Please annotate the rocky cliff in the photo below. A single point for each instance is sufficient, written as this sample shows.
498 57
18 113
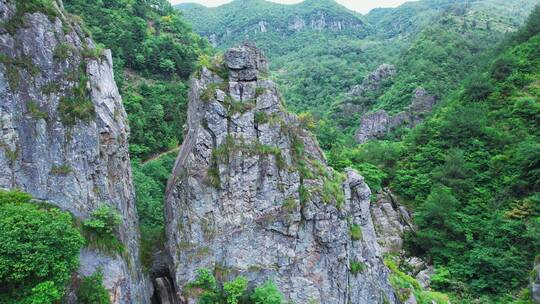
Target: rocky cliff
251 195
64 132
379 123
391 221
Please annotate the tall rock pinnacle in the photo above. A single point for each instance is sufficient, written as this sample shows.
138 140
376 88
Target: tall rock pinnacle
251 194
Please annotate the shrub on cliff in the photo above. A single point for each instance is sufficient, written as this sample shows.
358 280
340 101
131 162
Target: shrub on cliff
39 249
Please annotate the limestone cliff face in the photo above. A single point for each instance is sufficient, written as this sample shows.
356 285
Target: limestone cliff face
373 82
318 20
251 195
64 133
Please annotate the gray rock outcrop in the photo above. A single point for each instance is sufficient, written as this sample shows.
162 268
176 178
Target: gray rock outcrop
391 221
379 123
251 195
64 133
360 98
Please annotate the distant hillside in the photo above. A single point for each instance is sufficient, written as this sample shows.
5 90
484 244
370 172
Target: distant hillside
319 49
310 74
241 20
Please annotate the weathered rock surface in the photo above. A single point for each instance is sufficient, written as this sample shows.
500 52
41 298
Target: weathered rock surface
251 195
391 221
74 164
379 123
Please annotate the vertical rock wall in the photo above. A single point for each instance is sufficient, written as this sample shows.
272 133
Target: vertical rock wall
64 133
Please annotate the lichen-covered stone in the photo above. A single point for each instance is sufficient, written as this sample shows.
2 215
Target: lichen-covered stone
251 195
76 159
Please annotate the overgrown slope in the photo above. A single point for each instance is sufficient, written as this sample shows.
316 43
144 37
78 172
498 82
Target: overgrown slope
471 174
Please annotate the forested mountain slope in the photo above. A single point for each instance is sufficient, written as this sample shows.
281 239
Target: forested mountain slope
312 76
470 173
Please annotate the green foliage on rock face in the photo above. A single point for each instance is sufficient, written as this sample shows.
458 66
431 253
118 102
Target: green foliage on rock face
14 67
405 286
356 232
101 230
208 290
357 267
91 290
16 22
39 251
76 104
63 51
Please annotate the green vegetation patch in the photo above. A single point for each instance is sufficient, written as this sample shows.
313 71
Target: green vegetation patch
46 7
101 229
405 285
356 232
208 290
61 170
150 179
92 291
76 105
63 51
33 110
13 67
215 64
40 250
357 267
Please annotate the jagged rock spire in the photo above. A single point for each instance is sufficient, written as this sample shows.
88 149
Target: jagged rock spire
251 194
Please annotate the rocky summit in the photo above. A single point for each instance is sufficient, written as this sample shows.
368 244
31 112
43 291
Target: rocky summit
251 194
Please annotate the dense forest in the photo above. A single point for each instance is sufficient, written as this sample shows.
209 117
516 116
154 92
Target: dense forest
468 171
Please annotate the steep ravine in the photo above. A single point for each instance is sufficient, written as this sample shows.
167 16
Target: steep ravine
251 195
64 133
